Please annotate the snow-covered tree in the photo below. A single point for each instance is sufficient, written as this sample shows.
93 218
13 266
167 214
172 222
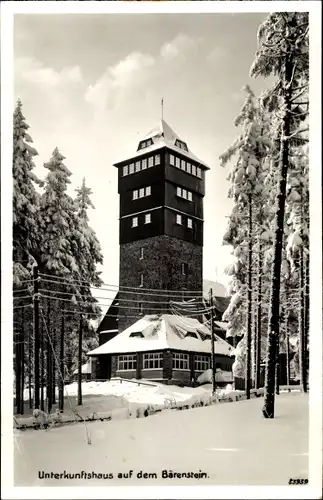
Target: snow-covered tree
250 150
25 198
282 52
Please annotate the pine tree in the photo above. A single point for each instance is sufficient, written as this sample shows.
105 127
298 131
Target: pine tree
250 150
283 52
25 197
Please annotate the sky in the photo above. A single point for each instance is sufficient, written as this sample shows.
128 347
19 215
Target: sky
92 86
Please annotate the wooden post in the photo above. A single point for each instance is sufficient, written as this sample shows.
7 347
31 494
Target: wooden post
22 345
79 379
17 338
36 337
42 362
249 305
212 342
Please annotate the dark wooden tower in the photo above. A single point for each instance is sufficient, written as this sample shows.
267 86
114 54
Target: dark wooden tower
161 190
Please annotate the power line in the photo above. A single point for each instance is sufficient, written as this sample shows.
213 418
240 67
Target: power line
117 288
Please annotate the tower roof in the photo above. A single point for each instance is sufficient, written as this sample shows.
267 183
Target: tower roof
164 136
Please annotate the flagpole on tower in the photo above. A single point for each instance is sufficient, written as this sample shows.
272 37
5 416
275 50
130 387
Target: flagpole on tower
162 108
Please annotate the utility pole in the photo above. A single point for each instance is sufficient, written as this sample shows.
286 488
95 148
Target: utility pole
79 385
61 367
212 341
36 337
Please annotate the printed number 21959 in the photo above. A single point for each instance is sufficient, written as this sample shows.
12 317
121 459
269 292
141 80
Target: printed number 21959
298 481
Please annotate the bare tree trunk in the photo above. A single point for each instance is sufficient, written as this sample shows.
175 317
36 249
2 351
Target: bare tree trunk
259 314
249 304
22 388
17 338
30 358
42 362
306 315
287 349
274 310
301 324
61 367
49 391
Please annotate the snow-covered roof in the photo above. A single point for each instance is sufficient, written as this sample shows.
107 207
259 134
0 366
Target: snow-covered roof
109 331
218 289
161 136
153 333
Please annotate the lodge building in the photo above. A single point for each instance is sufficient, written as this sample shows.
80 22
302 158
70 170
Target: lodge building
161 189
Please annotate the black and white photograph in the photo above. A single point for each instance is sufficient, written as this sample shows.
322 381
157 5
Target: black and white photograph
161 250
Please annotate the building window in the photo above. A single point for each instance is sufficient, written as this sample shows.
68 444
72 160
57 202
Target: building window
153 360
134 221
181 145
178 219
141 253
189 223
183 193
148 191
147 218
172 160
141 192
178 163
144 164
141 308
135 194
131 168
193 169
183 165
137 166
188 168
184 268
127 362
141 280
180 361
125 170
201 363
151 161
157 159
198 172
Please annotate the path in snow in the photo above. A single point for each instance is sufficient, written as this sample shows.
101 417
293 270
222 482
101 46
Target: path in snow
232 443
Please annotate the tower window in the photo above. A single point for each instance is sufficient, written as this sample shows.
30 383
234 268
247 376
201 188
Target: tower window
151 161
193 169
141 192
184 268
144 164
184 193
179 191
141 280
178 219
125 170
172 160
141 253
157 159
189 223
134 221
183 165
181 145
135 194
131 168
188 168
147 218
148 190
198 172
189 196
178 163
137 166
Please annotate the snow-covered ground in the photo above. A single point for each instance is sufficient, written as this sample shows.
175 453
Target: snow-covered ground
232 443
